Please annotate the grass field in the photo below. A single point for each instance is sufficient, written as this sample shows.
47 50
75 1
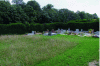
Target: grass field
39 50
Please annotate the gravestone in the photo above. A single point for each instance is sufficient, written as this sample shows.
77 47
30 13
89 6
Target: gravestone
58 31
68 29
32 32
63 31
81 30
77 31
45 34
53 31
49 33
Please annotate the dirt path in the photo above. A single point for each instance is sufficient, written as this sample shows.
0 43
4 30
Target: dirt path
94 63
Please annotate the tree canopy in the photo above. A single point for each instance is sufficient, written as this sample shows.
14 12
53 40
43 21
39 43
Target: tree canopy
31 12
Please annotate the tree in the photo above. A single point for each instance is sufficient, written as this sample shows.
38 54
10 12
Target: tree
43 18
35 5
18 14
82 15
4 12
52 13
95 16
36 8
64 15
47 7
23 5
31 13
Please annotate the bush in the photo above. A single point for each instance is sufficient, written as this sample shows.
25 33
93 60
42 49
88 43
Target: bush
16 28
3 28
13 28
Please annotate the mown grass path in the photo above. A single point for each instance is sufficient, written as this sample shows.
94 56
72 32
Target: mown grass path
86 51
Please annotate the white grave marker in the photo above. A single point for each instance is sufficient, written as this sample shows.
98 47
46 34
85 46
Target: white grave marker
77 31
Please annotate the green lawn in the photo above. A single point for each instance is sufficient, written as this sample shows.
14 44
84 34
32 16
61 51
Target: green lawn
39 50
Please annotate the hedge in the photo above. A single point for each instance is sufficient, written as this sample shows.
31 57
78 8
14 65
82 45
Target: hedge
19 28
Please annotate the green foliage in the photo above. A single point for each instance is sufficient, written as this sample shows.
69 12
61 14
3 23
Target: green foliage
35 5
31 13
39 27
13 28
3 28
4 12
84 25
27 27
47 7
16 28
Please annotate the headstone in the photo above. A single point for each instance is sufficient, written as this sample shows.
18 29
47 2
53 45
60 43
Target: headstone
58 31
61 29
64 31
77 31
32 32
45 34
86 31
49 33
68 29
81 34
81 30
53 31
53 34
87 34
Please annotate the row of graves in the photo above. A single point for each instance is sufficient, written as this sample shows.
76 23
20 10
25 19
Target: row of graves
68 32
71 32
53 32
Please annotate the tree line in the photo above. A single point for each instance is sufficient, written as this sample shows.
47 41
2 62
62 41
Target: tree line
31 12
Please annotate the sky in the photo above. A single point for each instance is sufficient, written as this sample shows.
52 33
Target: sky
89 6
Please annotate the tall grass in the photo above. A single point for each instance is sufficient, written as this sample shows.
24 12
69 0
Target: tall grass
38 50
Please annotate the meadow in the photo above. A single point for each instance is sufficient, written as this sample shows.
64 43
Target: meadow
39 50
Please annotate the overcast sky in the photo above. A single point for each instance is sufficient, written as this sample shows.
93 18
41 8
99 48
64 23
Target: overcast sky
90 6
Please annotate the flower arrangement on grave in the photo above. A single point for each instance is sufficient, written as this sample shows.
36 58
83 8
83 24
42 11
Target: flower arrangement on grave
69 33
72 33
81 34
90 30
